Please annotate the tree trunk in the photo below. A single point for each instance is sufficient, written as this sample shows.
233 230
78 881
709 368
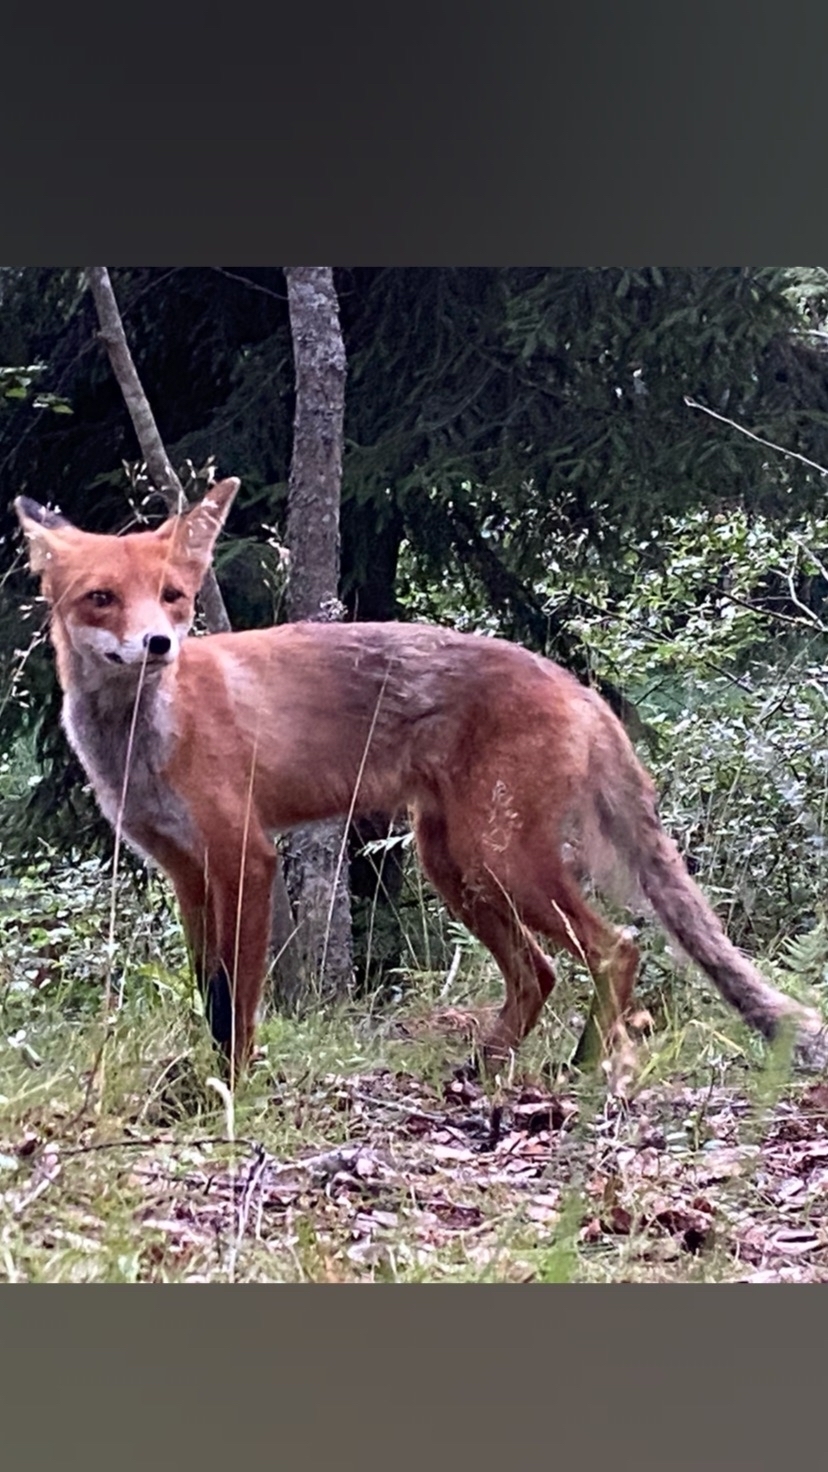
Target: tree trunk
315 856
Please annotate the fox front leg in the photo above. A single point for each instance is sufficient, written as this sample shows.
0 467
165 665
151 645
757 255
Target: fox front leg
226 913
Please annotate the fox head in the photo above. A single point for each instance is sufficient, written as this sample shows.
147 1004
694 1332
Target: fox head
124 601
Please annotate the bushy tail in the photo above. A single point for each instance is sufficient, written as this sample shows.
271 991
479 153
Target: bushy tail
625 809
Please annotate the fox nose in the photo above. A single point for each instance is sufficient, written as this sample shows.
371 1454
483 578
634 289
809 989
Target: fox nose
157 644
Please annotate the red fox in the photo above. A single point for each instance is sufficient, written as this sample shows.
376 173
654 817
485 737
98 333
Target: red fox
521 784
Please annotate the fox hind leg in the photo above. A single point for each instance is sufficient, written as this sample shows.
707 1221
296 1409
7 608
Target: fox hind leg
521 892
486 910
552 904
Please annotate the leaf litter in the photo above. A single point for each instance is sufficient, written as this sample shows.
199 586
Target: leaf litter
440 1182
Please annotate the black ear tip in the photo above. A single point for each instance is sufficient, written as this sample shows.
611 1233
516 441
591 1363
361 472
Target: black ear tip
35 512
226 488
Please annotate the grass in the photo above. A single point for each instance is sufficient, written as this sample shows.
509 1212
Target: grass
352 1152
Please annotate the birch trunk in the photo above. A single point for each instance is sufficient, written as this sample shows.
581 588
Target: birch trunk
316 858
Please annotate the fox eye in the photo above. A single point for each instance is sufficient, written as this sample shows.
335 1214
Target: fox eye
171 594
101 597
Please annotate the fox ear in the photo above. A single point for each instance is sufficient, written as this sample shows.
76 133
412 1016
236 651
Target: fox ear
195 531
40 525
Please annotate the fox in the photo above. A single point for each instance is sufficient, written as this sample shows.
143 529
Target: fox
522 787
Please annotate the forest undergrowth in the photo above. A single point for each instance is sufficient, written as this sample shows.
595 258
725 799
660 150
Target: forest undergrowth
353 1151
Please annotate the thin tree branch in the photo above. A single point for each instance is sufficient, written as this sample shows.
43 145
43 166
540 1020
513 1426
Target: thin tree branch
812 622
769 444
253 285
157 460
169 487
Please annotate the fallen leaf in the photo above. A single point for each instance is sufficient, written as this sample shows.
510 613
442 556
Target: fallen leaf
617 1220
456 1214
451 1152
815 1099
370 1254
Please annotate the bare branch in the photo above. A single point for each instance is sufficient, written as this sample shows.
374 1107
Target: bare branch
769 444
161 471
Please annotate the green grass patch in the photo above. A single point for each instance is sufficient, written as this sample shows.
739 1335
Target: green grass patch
352 1151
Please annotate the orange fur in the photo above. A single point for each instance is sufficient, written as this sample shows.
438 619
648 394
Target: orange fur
521 783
